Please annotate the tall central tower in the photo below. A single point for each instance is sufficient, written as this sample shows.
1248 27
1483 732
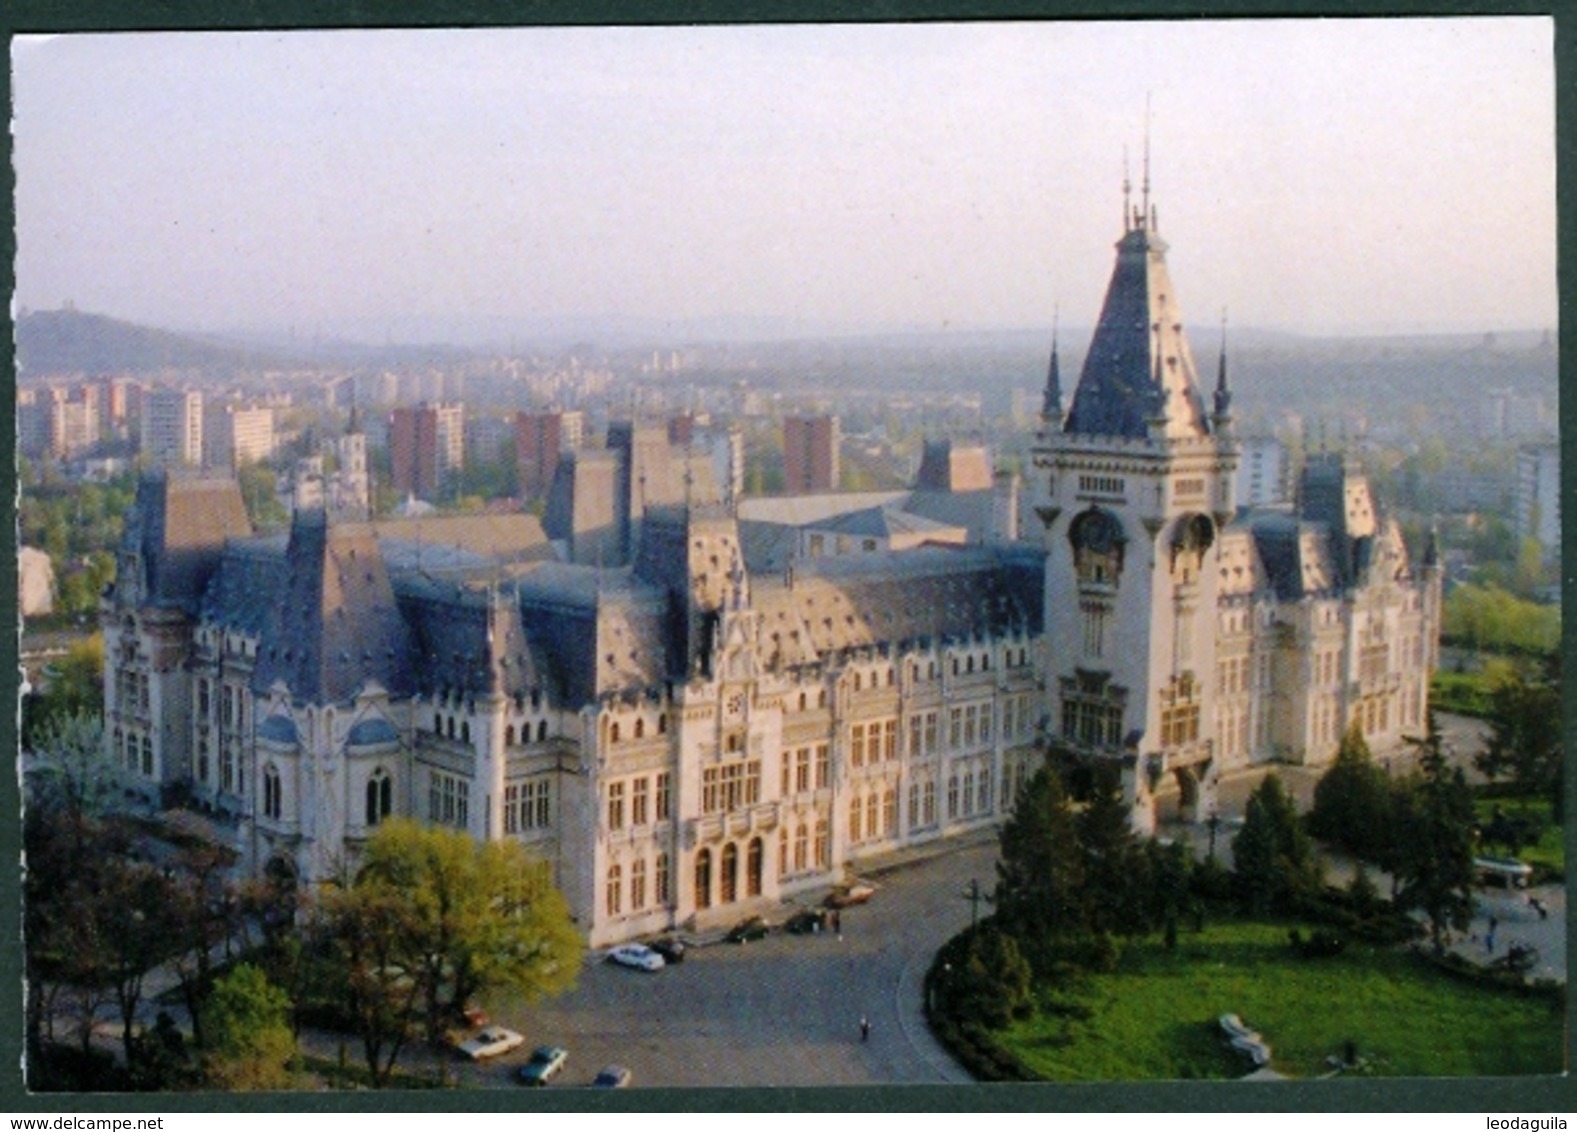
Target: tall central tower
1133 484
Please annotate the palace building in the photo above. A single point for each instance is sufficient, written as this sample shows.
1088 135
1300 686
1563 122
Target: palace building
708 729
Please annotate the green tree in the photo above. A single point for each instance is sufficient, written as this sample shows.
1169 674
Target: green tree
1040 873
1435 852
484 917
358 931
259 491
1352 800
75 688
1525 742
249 1044
1273 862
990 981
1118 877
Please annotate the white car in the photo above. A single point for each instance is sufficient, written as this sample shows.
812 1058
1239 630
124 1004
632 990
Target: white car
490 1042
637 955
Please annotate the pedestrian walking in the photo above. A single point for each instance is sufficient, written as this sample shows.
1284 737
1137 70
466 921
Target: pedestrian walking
865 1028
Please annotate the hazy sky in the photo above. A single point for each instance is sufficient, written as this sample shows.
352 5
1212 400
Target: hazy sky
1309 175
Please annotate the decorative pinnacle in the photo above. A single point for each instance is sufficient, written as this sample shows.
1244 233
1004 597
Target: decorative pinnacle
1223 393
1051 405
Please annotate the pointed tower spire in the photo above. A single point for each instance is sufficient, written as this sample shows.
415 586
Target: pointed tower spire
1051 405
1223 394
1144 210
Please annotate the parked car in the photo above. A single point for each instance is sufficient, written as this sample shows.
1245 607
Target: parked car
856 893
637 955
806 921
671 948
490 1042
545 1062
747 930
611 1077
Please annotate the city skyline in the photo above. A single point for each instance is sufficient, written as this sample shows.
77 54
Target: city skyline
1331 176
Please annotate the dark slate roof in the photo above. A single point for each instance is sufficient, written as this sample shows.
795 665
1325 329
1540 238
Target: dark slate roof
467 638
244 588
371 732
878 599
334 623
1117 391
179 527
278 729
882 522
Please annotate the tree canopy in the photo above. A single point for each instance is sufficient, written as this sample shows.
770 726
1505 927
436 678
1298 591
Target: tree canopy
434 919
1273 861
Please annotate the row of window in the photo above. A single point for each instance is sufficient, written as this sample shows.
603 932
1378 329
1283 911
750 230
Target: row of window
134 752
882 741
796 851
448 799
642 792
1233 677
873 814
528 806
232 705
661 890
730 786
525 733
798 767
637 729
131 691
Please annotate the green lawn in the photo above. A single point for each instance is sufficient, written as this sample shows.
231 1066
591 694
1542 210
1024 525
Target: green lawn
1155 1017
1548 853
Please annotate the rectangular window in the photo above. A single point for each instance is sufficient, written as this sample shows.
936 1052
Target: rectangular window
952 796
890 739
802 769
969 725
857 745
890 811
730 786
615 805
664 796
823 767
930 732
955 728
823 843
638 801
448 799
914 735
928 808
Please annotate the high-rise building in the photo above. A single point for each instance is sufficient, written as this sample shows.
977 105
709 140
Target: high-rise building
810 454
234 435
172 426
1537 502
427 449
540 438
1262 472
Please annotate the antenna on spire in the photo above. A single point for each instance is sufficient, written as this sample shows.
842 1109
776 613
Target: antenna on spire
1146 185
1127 193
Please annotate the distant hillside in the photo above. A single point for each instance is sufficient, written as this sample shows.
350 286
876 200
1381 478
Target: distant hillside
72 341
